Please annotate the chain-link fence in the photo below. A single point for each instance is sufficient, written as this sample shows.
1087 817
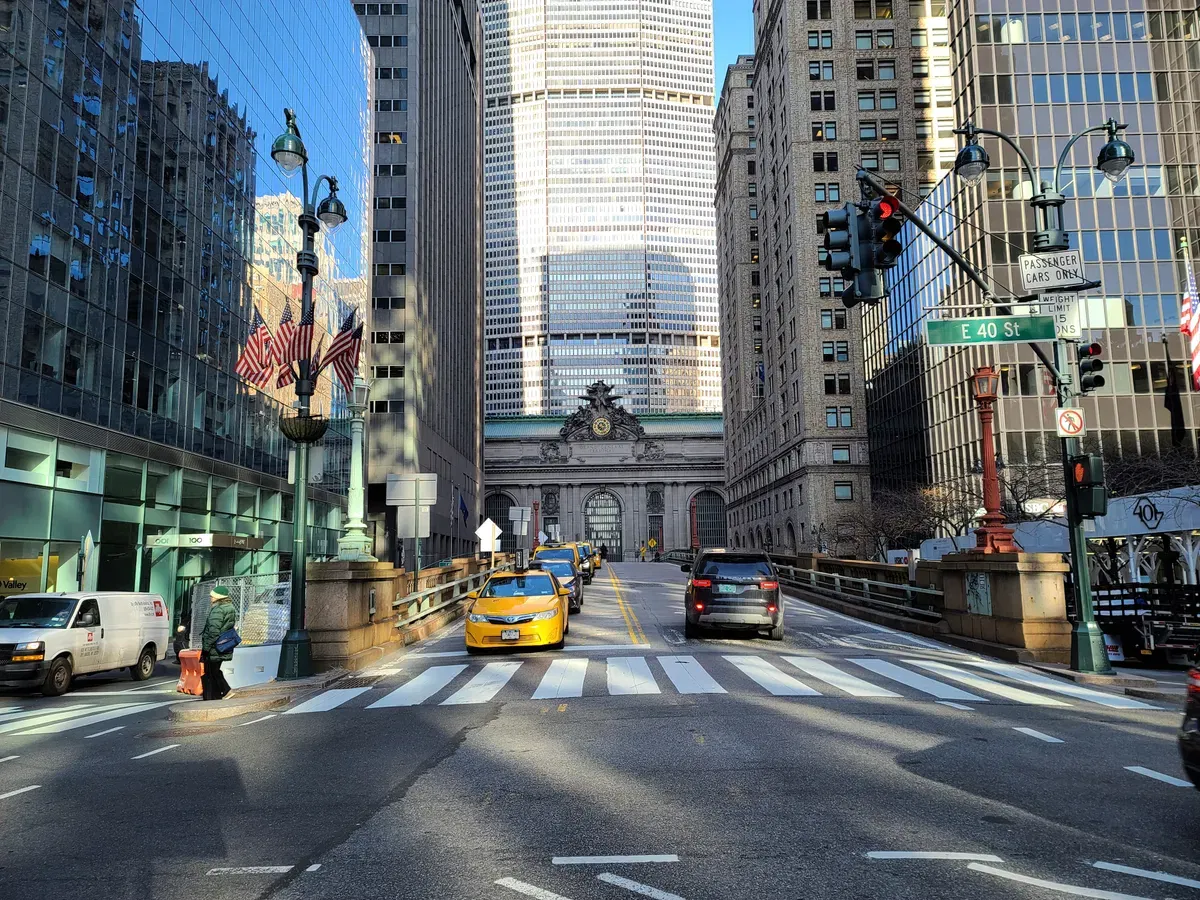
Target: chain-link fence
263 605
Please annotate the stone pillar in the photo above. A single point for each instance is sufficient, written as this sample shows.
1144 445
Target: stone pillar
343 630
1015 599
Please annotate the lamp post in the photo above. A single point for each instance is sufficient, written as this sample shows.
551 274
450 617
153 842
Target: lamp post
303 428
355 544
994 536
1116 156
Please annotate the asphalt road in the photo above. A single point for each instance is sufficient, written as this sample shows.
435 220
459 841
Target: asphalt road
633 763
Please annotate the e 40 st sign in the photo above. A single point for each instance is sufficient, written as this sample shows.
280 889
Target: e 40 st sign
989 330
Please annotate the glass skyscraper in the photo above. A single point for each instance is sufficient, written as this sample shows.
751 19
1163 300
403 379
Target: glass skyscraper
142 221
600 258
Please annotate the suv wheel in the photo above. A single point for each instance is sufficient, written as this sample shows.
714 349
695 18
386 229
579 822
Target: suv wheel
690 630
776 633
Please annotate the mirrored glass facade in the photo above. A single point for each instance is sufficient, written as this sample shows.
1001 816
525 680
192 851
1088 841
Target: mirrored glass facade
142 220
600 257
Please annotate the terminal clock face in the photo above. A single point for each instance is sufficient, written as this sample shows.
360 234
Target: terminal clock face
601 427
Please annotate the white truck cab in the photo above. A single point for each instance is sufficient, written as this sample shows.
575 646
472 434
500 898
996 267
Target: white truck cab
46 639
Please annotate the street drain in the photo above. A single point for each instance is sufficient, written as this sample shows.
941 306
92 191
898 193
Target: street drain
365 681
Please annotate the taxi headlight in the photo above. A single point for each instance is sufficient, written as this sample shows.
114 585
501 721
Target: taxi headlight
476 617
545 614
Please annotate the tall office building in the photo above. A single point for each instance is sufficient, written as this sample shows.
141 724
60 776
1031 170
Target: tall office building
835 86
1041 77
425 332
598 219
141 222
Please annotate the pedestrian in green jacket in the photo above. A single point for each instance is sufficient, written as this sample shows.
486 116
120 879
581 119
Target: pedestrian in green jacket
221 617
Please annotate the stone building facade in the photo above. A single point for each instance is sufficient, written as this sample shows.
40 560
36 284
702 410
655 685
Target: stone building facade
610 477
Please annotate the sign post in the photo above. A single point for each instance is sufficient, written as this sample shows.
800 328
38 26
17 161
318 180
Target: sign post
414 494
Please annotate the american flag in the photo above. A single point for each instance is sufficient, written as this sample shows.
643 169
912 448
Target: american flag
285 335
256 355
345 364
1189 322
342 339
263 378
287 375
300 342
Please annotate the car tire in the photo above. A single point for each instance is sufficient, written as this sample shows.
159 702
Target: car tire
474 651
690 630
58 679
776 633
144 667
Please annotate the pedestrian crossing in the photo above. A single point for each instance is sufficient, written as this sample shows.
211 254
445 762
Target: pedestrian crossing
58 719
916 678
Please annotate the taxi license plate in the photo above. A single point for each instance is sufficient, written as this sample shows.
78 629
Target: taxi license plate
510 634
727 588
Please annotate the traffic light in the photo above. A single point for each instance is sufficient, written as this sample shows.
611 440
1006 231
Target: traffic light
1087 483
1090 367
841 241
884 216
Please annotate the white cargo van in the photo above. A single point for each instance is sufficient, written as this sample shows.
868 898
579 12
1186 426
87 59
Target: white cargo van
45 639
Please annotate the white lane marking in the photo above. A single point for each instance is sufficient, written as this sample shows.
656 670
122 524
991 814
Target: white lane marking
1057 686
688 676
444 654
145 687
931 854
314 867
766 675
1158 776
630 675
951 703
611 860
17 721
421 688
250 870
24 790
485 685
636 887
255 721
587 647
9 758
1072 889
326 700
153 752
529 890
913 680
822 611
835 677
9 709
564 678
96 718
1146 873
104 732
980 683
1040 735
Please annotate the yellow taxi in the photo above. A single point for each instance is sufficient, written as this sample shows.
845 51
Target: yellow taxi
518 609
594 554
573 551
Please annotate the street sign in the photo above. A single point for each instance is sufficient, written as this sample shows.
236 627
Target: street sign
1068 421
519 516
412 521
543 537
411 490
1063 308
1051 271
989 330
489 536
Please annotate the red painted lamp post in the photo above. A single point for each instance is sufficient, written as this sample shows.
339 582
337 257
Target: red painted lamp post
994 536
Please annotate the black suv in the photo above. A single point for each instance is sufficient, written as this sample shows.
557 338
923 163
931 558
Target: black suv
733 589
1189 732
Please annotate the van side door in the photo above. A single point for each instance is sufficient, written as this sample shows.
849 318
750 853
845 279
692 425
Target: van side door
87 637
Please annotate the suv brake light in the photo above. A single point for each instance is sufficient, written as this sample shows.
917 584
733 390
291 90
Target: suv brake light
1193 683
768 585
702 582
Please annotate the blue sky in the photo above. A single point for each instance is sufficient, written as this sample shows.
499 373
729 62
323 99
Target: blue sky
733 33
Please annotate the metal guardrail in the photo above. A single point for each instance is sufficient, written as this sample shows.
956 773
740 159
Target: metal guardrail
897 599
420 604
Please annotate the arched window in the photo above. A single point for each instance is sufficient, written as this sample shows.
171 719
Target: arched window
602 525
496 507
791 538
710 519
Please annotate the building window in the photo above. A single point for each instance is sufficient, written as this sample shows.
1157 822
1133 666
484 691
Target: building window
752 189
843 383
891 161
758 345
756 322
820 40
749 121
820 9
887 70
868 131
843 351
822 101
864 40
824 131
831 417
755 277
865 69
825 162
919 38
756 301
844 418
889 130
870 160
827 352
843 490
754 235
753 211
750 167
866 100
841 454
827 193
885 40
820 70
920 68
922 98
887 99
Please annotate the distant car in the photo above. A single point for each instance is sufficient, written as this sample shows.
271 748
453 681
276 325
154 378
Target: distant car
1189 732
518 609
734 590
568 576
571 551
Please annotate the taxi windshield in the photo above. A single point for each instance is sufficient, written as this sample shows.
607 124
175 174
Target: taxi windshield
556 553
520 586
35 612
561 568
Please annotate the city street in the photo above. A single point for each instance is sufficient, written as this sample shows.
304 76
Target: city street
847 761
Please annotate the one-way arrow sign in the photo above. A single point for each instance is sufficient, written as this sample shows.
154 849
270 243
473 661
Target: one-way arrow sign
489 536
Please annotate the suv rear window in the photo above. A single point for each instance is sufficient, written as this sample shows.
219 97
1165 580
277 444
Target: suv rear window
556 553
736 567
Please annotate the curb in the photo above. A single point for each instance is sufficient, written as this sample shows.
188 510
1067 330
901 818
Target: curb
1115 680
224 709
1157 694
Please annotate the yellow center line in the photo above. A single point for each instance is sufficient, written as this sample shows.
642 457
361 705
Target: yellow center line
636 635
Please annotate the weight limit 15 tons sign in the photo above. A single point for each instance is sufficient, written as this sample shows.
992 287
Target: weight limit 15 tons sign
989 330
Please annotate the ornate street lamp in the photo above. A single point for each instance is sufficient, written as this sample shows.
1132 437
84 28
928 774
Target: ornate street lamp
355 544
994 536
303 428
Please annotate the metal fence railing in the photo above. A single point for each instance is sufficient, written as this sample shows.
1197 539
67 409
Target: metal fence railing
422 603
922 604
263 605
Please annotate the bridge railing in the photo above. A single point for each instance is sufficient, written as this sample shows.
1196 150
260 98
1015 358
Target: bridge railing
419 604
910 601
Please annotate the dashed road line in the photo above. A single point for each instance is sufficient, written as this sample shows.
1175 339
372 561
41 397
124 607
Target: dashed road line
250 870
24 790
529 890
1158 776
637 887
1040 735
255 721
954 705
104 732
612 860
932 854
1146 873
9 758
1073 889
154 752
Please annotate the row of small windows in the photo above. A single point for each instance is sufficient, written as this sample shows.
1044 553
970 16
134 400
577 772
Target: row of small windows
381 9
392 407
387 73
387 337
391 105
1088 26
384 236
387 40
395 170
388 302
387 371
391 202
390 269
838 383
391 137
838 417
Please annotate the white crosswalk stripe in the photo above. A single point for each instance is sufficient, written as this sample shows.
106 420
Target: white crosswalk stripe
914 680
484 686
564 678
630 675
97 716
326 701
985 684
37 718
26 713
1056 686
420 688
768 676
831 675
688 676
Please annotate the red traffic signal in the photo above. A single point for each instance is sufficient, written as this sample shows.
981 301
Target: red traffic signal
886 206
1087 351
